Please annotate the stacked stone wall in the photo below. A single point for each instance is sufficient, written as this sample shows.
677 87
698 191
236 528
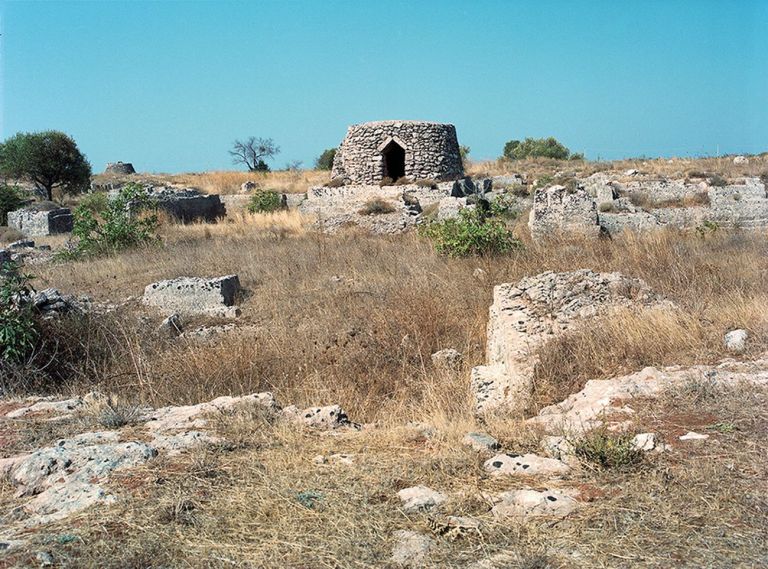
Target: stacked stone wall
431 151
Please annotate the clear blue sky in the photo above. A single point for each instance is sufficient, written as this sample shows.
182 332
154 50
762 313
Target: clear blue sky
169 85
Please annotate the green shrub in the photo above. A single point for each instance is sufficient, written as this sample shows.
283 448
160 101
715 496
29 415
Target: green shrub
538 148
376 207
470 234
96 202
607 450
18 328
10 200
503 206
325 160
265 201
128 220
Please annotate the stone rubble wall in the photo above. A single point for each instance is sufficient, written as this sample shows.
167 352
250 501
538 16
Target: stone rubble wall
33 223
431 151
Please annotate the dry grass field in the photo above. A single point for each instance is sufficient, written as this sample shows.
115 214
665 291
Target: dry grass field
353 319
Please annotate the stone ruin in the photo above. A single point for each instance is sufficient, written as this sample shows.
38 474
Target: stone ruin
119 168
32 222
373 151
526 315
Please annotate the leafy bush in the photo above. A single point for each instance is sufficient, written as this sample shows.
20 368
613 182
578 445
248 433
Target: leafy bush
265 201
18 329
470 234
96 202
464 153
607 450
376 207
325 160
538 147
10 200
128 220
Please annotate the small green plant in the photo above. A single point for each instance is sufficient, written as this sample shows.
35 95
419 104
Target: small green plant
95 202
376 207
504 206
129 220
18 328
10 200
265 201
470 234
309 498
606 450
543 182
707 227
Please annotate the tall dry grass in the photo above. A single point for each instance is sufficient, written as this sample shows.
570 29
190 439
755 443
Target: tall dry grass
353 318
676 168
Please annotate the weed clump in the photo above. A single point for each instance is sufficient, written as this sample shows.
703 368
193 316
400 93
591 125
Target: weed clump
265 201
608 451
127 221
376 207
470 234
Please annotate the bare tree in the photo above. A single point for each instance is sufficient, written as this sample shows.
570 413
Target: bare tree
253 152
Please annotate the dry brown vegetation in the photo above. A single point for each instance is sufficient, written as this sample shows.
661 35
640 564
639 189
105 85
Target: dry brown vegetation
229 181
354 319
676 168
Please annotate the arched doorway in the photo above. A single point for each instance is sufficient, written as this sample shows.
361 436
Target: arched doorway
394 160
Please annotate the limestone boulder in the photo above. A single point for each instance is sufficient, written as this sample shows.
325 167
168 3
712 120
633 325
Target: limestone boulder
525 315
194 295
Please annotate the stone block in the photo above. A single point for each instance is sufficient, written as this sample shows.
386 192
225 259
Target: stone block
34 223
194 295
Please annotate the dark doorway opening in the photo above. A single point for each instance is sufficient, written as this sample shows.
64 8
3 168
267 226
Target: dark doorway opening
394 160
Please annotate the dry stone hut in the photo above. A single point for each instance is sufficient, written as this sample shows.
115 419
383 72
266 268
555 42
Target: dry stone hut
119 168
394 149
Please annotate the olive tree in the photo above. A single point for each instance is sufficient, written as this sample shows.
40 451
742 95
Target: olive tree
50 159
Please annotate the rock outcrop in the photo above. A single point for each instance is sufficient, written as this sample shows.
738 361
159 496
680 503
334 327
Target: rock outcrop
526 315
558 211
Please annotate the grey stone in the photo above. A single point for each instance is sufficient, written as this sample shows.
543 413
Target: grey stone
533 504
323 418
33 223
419 498
194 295
525 465
414 149
736 341
248 186
559 212
741 160
411 548
22 244
481 441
